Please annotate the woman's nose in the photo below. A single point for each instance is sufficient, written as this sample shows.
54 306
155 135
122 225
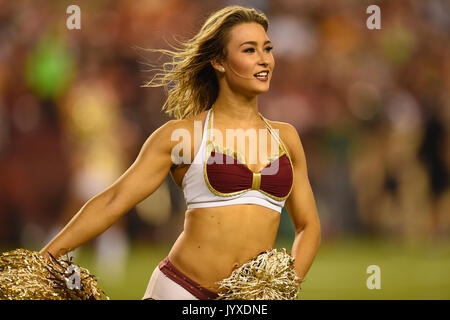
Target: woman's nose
263 60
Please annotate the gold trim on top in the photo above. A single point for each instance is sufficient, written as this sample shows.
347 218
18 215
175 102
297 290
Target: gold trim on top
256 180
234 154
285 150
210 146
237 155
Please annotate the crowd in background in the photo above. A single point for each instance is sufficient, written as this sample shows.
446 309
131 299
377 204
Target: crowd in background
372 108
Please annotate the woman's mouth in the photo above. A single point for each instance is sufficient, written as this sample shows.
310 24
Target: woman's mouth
262 76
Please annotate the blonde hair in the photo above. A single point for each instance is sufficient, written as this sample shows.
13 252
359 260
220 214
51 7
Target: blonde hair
190 75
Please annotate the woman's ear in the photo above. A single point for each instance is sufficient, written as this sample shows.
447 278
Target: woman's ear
217 65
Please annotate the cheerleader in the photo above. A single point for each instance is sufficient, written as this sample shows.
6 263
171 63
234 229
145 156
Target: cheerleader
234 192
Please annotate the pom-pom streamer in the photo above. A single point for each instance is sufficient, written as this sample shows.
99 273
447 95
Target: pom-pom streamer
269 276
27 275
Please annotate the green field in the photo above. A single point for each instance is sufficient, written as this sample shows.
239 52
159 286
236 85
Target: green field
338 272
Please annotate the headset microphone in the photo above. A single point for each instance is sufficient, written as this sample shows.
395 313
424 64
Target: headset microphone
239 75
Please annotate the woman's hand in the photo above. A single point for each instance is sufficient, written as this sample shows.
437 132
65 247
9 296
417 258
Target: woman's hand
45 254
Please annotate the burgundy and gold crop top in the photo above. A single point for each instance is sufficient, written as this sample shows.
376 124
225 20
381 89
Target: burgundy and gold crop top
220 177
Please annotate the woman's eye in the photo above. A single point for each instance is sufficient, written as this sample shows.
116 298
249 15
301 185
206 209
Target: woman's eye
252 49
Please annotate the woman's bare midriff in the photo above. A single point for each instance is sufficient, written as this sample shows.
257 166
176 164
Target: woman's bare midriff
216 240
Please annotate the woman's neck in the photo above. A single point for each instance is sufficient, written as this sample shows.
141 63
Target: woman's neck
235 109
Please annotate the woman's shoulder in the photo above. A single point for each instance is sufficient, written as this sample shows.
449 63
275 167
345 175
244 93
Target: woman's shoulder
185 129
187 123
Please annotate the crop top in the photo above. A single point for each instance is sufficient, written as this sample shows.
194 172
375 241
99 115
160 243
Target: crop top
221 177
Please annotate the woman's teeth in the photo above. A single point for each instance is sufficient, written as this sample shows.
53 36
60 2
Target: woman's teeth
262 75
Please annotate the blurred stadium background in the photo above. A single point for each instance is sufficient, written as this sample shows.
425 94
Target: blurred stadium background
372 108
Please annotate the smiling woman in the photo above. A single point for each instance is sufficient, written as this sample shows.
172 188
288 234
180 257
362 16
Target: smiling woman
230 39
234 196
241 56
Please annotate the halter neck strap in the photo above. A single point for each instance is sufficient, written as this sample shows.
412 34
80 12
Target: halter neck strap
266 123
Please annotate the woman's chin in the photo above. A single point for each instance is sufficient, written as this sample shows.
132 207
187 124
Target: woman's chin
255 90
261 87
262 90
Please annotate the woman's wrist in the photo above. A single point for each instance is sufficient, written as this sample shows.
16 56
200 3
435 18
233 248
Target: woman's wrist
48 251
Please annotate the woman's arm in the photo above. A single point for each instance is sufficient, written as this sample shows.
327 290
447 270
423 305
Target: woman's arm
141 179
301 206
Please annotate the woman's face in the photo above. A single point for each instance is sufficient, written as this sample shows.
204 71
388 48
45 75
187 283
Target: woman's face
249 51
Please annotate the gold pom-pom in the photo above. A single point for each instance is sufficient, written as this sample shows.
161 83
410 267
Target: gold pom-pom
27 275
269 276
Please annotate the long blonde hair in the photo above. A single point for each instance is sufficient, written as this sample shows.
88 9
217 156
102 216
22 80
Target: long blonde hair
190 79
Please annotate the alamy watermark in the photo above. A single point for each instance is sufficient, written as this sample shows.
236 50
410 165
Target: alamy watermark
181 152
74 20
72 277
374 20
374 280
